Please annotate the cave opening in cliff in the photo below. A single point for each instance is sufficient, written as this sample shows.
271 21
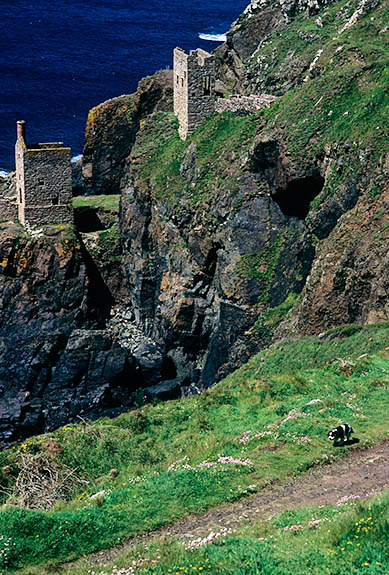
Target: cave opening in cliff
168 369
296 197
211 261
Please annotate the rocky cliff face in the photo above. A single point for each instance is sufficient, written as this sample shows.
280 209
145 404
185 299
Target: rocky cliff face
201 270
349 280
111 131
220 233
55 361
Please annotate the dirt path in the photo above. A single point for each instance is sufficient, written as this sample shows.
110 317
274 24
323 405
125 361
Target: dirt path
362 473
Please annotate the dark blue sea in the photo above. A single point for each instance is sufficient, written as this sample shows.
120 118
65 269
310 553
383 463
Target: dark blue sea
59 58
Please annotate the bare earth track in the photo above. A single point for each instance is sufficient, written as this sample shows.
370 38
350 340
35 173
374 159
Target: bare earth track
362 473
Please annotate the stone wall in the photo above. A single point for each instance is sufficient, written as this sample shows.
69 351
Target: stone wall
44 184
194 89
46 215
180 83
8 209
244 105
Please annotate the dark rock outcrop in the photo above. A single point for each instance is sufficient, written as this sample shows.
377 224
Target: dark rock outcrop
56 361
198 277
349 281
111 131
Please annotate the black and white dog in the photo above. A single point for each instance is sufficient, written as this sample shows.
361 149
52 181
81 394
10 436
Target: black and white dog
340 433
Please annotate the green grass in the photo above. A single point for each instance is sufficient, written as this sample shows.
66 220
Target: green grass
272 317
349 538
107 202
158 154
287 397
268 549
346 101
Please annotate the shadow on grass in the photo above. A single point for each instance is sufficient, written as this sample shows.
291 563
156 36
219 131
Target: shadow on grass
350 442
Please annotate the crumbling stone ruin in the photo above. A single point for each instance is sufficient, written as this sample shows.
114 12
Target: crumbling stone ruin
195 95
194 88
43 182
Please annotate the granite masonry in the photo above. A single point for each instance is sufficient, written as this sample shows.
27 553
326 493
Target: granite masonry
8 207
194 88
43 182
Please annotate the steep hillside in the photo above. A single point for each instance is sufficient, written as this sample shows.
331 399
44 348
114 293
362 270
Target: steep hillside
90 486
223 229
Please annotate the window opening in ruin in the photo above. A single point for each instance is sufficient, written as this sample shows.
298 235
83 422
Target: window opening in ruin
41 182
182 81
20 196
207 85
55 200
178 79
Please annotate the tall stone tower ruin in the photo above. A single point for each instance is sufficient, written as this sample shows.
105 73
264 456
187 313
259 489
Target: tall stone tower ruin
194 88
43 181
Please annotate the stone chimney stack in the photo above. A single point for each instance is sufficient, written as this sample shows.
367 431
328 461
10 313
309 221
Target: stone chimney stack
21 128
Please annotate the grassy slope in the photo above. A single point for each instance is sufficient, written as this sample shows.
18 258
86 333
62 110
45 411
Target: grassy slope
271 395
348 538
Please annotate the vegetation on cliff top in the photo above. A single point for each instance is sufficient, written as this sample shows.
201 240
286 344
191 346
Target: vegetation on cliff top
338 107
158 155
179 457
105 201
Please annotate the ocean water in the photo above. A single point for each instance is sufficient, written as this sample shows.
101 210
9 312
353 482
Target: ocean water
59 58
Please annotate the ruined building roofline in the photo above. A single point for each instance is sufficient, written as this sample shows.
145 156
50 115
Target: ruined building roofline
39 146
198 53
47 147
50 144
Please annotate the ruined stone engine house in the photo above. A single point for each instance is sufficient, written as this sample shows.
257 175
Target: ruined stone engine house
194 88
43 182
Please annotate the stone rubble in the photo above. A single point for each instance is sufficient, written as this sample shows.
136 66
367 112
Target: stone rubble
124 330
364 7
244 104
